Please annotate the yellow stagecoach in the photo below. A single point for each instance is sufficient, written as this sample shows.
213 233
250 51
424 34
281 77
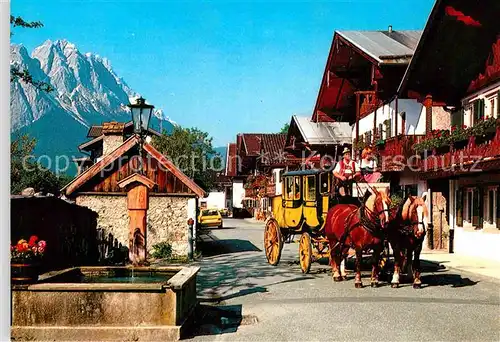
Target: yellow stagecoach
301 210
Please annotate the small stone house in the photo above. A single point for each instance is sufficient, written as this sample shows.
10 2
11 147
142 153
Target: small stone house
172 196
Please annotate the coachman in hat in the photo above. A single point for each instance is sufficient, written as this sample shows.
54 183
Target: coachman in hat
346 171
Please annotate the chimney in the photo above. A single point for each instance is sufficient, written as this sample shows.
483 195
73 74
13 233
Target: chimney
390 29
112 136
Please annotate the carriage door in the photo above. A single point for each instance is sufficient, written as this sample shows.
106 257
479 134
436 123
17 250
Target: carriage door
293 201
310 201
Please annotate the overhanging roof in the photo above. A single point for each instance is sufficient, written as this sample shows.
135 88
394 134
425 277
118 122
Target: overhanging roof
357 61
454 49
384 46
323 133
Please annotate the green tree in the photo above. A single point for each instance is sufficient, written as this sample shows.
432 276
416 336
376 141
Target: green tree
285 128
15 72
191 150
25 172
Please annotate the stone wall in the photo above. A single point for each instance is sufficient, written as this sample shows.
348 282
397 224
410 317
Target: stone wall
111 143
440 220
167 219
441 119
68 229
112 214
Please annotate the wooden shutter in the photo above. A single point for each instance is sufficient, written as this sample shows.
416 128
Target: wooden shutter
491 208
481 204
475 207
498 110
457 118
460 207
498 204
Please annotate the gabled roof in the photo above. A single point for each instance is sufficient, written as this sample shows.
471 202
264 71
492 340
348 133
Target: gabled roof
96 169
456 47
323 133
255 143
385 46
357 60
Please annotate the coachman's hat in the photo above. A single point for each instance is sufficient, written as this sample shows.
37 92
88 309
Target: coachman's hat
346 150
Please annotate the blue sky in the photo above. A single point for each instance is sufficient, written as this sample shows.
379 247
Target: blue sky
222 66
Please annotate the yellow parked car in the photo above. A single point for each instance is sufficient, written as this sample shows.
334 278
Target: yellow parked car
210 218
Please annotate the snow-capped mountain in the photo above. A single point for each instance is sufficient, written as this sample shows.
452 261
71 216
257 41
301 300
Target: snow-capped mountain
86 92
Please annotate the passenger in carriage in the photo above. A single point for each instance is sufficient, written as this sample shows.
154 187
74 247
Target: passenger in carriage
368 166
346 171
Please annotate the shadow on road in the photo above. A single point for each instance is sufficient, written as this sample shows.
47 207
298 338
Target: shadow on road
214 247
211 320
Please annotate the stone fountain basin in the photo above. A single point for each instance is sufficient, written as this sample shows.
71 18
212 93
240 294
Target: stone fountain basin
106 304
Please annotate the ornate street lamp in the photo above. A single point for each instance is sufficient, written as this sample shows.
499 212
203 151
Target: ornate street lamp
141 115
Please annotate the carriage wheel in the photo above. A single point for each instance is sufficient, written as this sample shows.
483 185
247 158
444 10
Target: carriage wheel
273 242
305 252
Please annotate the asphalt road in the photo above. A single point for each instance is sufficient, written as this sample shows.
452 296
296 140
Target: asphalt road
245 299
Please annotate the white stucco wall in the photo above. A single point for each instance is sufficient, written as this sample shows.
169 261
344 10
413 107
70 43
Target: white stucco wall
415 118
277 179
238 193
215 199
480 243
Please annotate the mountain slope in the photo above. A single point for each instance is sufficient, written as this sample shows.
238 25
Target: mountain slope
86 92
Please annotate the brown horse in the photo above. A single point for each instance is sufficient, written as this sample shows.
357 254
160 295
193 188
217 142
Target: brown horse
406 232
358 227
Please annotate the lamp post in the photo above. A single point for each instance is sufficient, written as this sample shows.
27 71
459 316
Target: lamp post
141 115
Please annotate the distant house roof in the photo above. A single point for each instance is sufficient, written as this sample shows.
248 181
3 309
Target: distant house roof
112 127
459 52
97 168
96 130
257 143
323 133
384 46
231 160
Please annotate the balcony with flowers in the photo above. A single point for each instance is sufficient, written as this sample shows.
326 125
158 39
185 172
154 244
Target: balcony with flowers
446 149
256 186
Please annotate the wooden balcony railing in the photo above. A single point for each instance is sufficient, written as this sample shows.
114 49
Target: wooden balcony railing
464 159
395 153
271 190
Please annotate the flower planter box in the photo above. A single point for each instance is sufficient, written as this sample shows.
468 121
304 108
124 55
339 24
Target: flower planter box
24 271
460 145
481 139
442 149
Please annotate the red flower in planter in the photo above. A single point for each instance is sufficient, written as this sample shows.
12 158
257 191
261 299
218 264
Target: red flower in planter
33 240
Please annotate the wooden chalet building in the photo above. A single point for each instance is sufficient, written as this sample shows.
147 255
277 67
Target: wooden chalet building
104 186
255 164
457 66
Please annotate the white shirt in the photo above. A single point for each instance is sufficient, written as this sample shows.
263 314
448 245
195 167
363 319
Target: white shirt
372 163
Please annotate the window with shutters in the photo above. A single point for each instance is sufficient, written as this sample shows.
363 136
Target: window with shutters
459 207
492 108
388 128
381 131
368 137
478 108
457 118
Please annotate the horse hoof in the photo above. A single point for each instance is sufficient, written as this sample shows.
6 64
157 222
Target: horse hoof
417 286
395 285
337 279
374 284
358 285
